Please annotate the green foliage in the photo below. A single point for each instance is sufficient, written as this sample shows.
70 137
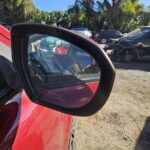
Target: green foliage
130 15
115 14
123 15
14 11
131 6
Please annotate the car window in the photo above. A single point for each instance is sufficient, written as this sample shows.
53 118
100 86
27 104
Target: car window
103 33
138 32
147 36
110 33
118 33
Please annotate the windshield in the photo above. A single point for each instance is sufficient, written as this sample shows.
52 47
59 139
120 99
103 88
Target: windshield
135 32
138 32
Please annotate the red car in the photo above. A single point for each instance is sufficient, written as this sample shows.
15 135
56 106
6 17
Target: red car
21 119
43 121
62 50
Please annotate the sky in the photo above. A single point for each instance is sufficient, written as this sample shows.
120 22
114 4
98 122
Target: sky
145 2
51 5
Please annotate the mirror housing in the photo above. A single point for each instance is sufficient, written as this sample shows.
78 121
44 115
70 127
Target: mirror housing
19 43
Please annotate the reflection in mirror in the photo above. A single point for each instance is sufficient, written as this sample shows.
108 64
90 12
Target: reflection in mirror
61 73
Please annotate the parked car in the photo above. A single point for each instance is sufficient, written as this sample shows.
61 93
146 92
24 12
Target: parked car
37 121
135 45
106 36
84 31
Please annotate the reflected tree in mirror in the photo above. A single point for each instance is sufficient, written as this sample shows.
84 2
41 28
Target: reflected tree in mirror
61 73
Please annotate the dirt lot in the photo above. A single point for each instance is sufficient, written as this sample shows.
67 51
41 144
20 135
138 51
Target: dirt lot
124 122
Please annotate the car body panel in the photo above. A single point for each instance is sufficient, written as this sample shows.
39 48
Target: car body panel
4 36
33 127
9 117
41 128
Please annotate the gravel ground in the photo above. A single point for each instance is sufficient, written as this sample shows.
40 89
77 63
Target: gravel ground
124 121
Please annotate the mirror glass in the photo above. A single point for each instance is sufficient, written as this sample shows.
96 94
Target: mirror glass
61 73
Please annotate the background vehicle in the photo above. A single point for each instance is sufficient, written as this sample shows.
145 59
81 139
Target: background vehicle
136 45
84 31
106 36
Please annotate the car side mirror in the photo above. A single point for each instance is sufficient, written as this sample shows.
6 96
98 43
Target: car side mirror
60 69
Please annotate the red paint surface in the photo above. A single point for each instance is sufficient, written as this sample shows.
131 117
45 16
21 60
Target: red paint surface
4 36
71 96
39 128
62 50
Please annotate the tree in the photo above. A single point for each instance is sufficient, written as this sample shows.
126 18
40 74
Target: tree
131 9
83 13
118 14
14 11
94 14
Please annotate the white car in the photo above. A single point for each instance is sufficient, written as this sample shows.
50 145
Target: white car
84 31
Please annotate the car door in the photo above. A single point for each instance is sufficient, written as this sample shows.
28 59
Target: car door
25 125
9 114
40 128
